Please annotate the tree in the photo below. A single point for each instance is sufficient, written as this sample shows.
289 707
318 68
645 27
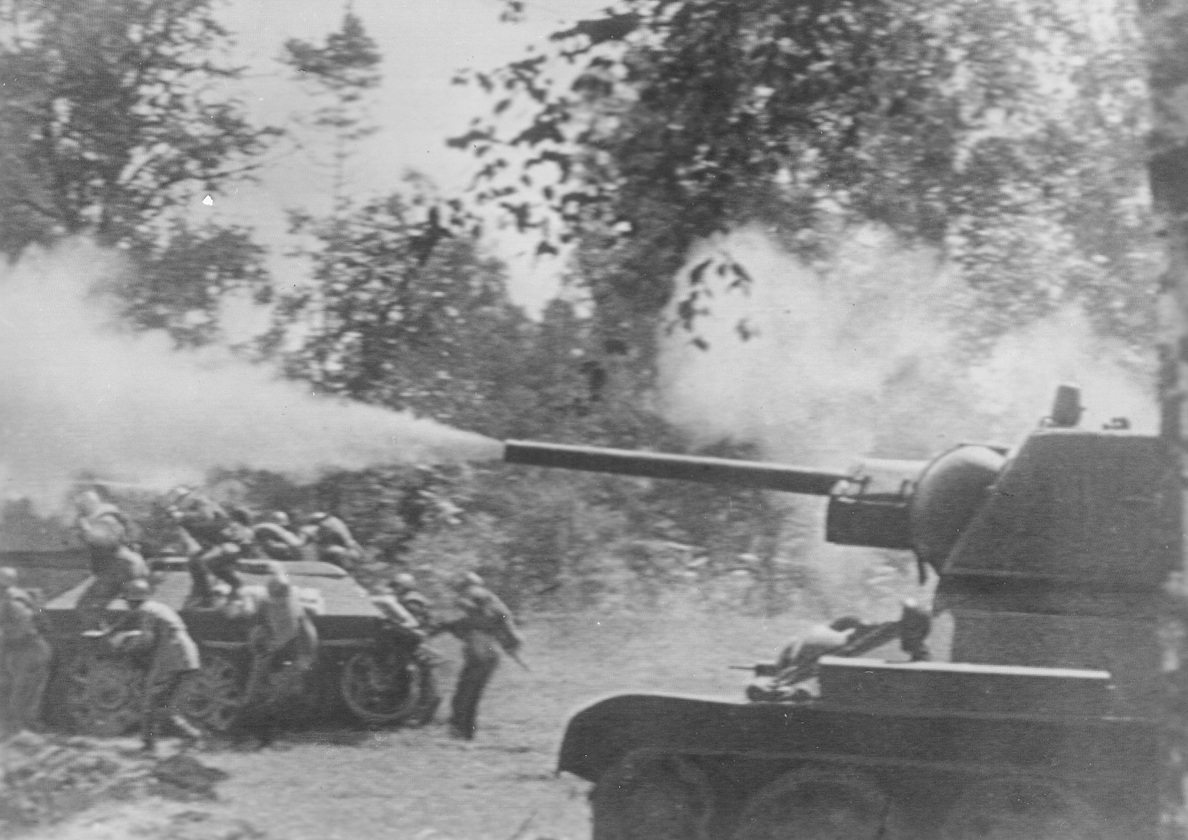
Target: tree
115 114
404 313
344 69
181 284
681 118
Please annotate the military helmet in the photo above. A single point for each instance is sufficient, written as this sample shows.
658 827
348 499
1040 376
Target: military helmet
467 579
88 502
177 494
845 623
277 517
8 577
136 590
403 581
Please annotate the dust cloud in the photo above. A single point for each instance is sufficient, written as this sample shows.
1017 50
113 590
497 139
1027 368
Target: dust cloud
81 397
861 357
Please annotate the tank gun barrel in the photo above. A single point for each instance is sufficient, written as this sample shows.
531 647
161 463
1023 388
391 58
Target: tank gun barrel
725 471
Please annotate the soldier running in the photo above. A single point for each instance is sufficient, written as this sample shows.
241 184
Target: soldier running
107 533
154 634
336 544
24 657
486 627
215 542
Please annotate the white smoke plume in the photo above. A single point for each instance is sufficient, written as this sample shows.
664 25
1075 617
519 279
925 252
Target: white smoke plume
78 396
861 357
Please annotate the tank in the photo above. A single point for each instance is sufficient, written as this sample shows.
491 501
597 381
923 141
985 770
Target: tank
365 668
1043 722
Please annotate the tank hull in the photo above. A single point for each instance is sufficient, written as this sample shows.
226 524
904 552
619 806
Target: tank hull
365 667
919 762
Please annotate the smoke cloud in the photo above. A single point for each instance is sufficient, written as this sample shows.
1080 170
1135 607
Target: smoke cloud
862 357
81 397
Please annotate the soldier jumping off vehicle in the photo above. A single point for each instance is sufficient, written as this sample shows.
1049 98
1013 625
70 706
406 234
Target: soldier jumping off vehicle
153 634
215 542
284 645
486 627
334 541
24 657
107 533
275 539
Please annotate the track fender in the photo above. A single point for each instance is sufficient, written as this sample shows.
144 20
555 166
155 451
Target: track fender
600 735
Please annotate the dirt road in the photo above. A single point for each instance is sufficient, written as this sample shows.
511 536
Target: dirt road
421 785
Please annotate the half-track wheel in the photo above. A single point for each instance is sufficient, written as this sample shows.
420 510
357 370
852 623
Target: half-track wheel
213 697
1020 808
380 689
652 797
104 695
815 804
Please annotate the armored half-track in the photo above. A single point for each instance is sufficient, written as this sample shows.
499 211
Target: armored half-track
365 666
1046 720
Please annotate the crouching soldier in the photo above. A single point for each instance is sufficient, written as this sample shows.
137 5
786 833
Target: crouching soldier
409 609
334 540
274 538
215 542
24 657
107 533
153 634
284 645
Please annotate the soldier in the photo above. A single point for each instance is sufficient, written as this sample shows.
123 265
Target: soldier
404 587
410 609
283 640
24 657
107 533
216 542
486 626
334 540
154 634
275 539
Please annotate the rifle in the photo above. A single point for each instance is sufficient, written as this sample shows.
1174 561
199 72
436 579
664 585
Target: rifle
515 655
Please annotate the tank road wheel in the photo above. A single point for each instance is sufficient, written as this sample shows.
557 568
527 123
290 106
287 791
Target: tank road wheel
652 797
815 804
1020 808
213 696
104 695
380 690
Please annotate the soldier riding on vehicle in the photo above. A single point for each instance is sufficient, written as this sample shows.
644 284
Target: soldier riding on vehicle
215 542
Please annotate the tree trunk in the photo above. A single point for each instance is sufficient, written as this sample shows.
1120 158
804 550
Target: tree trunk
1164 24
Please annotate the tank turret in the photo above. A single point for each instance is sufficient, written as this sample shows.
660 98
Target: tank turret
1043 722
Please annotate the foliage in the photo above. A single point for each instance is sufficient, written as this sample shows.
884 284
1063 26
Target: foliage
945 121
115 117
343 69
181 284
402 312
117 114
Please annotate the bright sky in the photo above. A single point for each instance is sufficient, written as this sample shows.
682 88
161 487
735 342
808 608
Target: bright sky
423 43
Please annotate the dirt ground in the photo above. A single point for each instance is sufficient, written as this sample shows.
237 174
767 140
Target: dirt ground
420 785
